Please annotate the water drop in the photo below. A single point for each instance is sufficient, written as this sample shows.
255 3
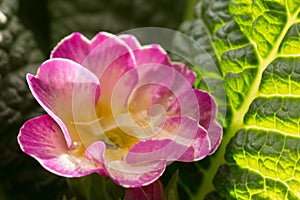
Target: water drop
76 145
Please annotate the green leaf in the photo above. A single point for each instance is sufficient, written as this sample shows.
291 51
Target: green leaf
65 198
92 16
94 187
256 47
19 55
171 188
114 191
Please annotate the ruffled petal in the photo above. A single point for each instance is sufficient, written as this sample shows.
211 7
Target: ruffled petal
151 54
95 152
68 92
201 147
109 58
189 75
215 136
43 139
114 72
180 139
208 116
102 52
199 105
76 47
135 175
131 41
106 55
154 87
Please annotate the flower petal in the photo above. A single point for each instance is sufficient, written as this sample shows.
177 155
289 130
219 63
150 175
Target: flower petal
43 139
201 147
189 75
151 54
68 92
107 56
131 41
179 139
208 116
215 136
97 54
135 175
204 109
76 47
95 152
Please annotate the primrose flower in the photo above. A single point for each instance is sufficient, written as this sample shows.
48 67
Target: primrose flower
119 109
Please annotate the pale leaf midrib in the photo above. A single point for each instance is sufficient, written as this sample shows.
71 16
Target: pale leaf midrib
273 130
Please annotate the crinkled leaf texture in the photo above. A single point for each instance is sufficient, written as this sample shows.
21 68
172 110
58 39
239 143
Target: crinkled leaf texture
113 16
19 54
256 47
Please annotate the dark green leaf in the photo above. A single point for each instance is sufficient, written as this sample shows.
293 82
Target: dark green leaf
95 187
171 188
92 16
20 176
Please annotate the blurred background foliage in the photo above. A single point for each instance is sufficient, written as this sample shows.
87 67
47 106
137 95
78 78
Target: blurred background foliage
28 31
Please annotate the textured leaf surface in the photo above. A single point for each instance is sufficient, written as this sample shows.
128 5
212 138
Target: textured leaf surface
256 46
92 16
20 176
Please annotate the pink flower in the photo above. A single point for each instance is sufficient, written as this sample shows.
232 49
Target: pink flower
118 109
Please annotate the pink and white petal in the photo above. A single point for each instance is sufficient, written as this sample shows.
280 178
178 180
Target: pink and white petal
201 147
97 54
215 133
68 92
112 52
170 150
155 149
155 82
181 129
159 84
151 54
114 97
204 109
95 152
208 108
179 139
182 68
76 47
110 60
196 104
43 139
115 73
131 41
208 116
135 175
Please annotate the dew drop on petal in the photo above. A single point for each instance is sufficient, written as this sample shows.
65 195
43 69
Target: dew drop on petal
170 101
75 145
